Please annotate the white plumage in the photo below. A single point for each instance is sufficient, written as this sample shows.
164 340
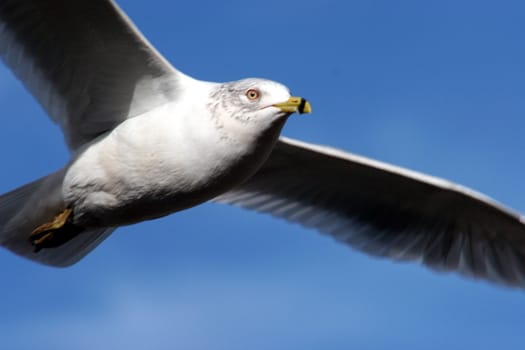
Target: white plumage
147 140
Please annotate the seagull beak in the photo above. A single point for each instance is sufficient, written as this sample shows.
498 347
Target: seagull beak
295 105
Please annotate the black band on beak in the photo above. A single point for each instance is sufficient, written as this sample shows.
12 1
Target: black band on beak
300 108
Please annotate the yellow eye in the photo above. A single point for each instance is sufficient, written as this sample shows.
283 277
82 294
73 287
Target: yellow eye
253 94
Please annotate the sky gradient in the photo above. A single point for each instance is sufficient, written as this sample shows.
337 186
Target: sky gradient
437 87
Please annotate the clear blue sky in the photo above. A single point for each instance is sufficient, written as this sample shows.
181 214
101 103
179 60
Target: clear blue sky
436 86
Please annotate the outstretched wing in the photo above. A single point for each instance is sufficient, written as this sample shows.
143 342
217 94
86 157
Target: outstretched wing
388 211
85 62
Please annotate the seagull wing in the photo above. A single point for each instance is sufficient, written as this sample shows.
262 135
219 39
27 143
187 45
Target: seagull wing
388 211
85 62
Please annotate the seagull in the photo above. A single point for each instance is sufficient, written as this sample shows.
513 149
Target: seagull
146 141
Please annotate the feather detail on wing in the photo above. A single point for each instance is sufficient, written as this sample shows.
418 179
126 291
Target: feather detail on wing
388 211
85 62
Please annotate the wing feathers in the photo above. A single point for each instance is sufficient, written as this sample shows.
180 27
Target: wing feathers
388 211
85 62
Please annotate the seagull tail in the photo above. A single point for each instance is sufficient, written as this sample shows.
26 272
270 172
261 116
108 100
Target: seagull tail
29 206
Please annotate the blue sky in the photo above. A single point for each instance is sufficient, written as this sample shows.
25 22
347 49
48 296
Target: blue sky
435 86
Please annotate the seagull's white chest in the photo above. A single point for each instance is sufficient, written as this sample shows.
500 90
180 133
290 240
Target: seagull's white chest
155 164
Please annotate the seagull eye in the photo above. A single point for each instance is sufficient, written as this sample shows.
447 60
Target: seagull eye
253 94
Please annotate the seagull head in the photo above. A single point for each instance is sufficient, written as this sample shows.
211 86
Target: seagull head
259 102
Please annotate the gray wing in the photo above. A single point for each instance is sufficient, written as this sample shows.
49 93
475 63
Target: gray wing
85 63
388 211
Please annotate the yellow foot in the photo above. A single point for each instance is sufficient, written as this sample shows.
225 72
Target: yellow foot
58 222
54 233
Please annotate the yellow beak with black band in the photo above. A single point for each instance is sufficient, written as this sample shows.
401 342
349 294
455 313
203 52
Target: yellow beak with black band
295 105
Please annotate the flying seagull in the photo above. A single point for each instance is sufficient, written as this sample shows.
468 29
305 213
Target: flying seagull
147 140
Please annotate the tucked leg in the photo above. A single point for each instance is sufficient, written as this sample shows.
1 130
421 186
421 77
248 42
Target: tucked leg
55 233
